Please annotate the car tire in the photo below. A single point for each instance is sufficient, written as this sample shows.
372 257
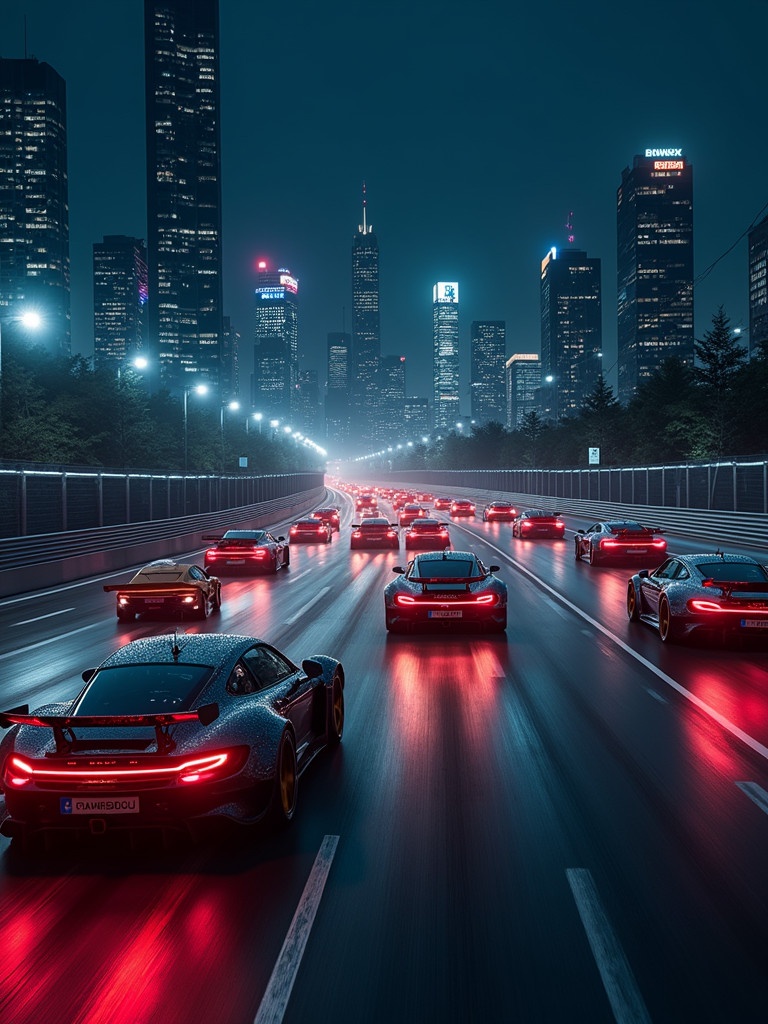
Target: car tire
594 557
202 611
390 623
216 603
633 612
336 711
286 787
577 551
667 629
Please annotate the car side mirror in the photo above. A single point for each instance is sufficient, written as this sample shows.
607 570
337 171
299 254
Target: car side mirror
493 568
398 569
88 675
644 574
580 531
281 538
312 669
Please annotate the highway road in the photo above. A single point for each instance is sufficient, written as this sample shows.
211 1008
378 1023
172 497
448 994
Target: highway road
566 823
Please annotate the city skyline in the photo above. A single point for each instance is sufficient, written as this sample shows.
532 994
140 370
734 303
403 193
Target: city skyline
485 217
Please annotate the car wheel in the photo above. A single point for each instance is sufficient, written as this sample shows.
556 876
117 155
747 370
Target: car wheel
594 557
275 564
667 630
336 711
217 598
633 612
286 790
202 611
390 623
125 616
286 559
577 551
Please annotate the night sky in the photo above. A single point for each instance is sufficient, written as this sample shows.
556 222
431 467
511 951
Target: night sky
477 128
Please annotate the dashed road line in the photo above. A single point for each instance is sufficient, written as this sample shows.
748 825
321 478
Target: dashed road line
39 618
303 610
755 793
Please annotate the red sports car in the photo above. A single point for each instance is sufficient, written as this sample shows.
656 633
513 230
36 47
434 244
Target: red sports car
168 589
374 533
499 512
328 515
246 551
410 512
619 540
427 533
537 522
462 507
311 529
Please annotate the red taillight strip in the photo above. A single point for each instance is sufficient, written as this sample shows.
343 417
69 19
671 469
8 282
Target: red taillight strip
197 764
406 599
703 605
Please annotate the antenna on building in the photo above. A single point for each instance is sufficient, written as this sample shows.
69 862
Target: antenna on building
25 37
569 228
363 228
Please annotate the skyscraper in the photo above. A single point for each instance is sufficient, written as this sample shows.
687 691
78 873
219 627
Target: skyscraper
366 337
654 216
183 129
337 391
758 288
445 362
488 342
276 337
523 379
119 299
34 204
391 396
571 329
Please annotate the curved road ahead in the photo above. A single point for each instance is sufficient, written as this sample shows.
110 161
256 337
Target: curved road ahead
564 824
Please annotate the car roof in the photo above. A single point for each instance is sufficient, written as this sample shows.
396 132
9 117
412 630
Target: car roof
243 534
165 565
191 648
431 524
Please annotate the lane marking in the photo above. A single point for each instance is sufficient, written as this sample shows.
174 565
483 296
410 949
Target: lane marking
278 991
50 640
616 974
299 575
26 622
656 695
302 611
721 720
755 793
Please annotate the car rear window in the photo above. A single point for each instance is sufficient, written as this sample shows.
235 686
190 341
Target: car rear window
252 536
737 572
443 568
143 689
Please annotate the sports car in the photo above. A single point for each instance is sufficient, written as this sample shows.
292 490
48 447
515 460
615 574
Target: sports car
365 500
170 733
462 507
619 540
537 522
328 515
427 533
410 512
499 512
168 589
442 504
377 532
445 589
246 551
311 529
712 593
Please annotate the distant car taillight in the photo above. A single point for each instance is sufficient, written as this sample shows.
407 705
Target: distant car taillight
211 555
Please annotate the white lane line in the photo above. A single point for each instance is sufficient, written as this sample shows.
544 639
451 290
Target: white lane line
755 793
26 622
721 720
278 991
299 575
618 980
303 611
50 640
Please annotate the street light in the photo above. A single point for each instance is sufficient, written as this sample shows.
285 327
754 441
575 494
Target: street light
28 319
233 406
258 416
274 424
199 389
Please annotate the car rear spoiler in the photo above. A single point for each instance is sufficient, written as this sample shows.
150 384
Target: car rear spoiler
426 581
742 586
624 531
161 723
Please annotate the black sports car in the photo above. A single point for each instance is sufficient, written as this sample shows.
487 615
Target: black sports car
167 589
171 732
246 551
446 589
311 529
427 533
537 522
376 532
619 540
712 593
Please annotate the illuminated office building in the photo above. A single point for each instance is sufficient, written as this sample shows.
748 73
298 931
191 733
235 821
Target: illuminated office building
416 423
119 300
523 381
488 351
337 406
183 134
571 330
391 396
445 359
758 289
230 361
366 337
34 205
276 342
654 216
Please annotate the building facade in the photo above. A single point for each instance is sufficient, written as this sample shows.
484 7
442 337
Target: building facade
445 354
276 343
416 418
758 289
654 218
571 330
183 135
391 396
119 300
337 394
34 203
366 332
488 354
523 383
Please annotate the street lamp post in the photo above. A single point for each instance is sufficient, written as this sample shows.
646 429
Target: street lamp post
233 407
199 389
29 319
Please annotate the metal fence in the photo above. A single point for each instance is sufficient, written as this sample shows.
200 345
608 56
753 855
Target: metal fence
38 500
723 486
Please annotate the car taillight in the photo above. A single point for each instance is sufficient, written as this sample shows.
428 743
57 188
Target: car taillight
660 544
609 544
404 599
559 526
357 533
294 530
259 553
194 769
321 529
444 534
486 599
17 773
211 554
391 533
699 605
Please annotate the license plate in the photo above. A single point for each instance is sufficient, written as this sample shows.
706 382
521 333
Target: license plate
154 600
755 623
99 805
638 551
445 613
235 561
